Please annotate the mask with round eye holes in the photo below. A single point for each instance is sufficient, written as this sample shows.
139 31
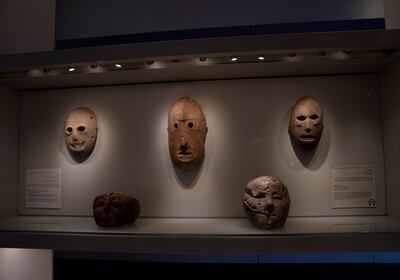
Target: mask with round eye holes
187 129
114 209
266 202
80 131
306 122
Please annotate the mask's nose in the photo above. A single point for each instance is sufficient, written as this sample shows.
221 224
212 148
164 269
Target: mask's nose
308 126
269 206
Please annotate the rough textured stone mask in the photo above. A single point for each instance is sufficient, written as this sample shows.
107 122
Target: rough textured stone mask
80 131
266 202
306 122
187 129
114 209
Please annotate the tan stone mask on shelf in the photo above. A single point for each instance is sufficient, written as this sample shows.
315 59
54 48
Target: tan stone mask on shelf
114 209
80 131
266 202
187 129
306 122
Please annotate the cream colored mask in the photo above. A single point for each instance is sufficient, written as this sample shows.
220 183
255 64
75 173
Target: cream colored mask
306 122
187 129
80 131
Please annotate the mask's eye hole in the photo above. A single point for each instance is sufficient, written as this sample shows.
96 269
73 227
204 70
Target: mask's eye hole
260 195
313 117
99 203
190 125
116 204
277 196
301 118
68 131
176 125
81 128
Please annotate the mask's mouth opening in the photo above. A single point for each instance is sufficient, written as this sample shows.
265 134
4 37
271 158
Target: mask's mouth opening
307 138
184 154
77 146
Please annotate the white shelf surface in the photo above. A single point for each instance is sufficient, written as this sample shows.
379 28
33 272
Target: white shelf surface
203 226
77 235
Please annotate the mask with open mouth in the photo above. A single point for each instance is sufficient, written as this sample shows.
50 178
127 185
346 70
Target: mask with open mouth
266 202
187 129
306 122
80 131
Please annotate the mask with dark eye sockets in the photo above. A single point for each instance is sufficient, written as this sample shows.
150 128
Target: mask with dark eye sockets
80 131
115 209
306 122
187 129
266 202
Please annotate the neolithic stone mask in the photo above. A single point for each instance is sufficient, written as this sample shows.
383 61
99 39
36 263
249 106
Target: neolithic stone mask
306 122
266 202
114 209
80 131
187 129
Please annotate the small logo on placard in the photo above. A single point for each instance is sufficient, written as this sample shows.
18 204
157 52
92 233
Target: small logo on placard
372 202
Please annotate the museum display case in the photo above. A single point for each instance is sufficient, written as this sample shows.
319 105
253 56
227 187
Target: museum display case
344 192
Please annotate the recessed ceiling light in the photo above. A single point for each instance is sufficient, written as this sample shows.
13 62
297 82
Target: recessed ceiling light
261 57
72 69
234 58
118 65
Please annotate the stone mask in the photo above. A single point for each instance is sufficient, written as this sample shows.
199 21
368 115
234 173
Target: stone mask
80 131
114 209
266 202
187 129
306 122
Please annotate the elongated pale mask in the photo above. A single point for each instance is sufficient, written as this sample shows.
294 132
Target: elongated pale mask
114 209
306 122
187 129
80 131
266 202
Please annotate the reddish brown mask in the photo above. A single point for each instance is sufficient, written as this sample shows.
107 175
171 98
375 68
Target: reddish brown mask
114 209
80 131
306 122
266 202
187 129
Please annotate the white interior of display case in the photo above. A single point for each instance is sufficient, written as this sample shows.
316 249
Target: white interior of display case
247 137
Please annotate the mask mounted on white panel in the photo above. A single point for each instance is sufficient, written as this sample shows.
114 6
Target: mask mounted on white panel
306 122
80 132
187 129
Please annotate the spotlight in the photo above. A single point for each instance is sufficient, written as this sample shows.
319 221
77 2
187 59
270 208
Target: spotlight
118 65
261 57
234 58
72 69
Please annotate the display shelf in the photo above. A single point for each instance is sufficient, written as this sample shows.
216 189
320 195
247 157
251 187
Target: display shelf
205 226
203 235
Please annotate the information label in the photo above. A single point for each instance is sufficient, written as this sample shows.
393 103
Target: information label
43 188
353 186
